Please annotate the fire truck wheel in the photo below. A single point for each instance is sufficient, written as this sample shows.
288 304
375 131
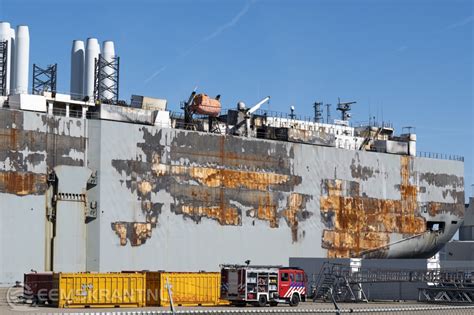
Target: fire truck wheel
273 303
262 300
295 300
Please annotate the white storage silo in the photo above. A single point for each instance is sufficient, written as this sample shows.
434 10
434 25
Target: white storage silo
92 53
77 70
22 60
12 60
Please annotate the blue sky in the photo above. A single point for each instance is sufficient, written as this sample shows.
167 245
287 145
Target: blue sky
408 62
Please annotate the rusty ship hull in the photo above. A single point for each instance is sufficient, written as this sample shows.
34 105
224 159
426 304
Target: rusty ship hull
162 198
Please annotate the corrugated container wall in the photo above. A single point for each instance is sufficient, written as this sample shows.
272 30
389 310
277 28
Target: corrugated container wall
188 288
100 289
38 286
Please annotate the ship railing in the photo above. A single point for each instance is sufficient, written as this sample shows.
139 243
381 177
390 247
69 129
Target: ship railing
63 112
371 123
440 156
286 116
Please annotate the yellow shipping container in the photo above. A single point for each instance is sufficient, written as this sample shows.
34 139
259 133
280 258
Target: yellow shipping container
187 288
100 289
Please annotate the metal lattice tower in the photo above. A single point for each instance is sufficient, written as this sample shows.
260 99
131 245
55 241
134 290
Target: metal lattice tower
44 80
106 80
3 67
318 112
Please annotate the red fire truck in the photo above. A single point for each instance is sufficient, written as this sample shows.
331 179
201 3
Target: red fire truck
259 285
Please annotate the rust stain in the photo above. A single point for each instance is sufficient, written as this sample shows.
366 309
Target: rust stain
226 178
22 183
144 187
362 223
267 210
135 232
221 177
225 216
295 207
13 138
435 208
121 230
234 179
219 188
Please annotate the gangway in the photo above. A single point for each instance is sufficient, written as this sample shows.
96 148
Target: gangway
341 283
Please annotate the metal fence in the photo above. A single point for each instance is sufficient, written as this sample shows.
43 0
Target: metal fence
419 310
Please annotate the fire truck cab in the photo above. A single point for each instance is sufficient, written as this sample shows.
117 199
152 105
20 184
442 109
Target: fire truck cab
259 285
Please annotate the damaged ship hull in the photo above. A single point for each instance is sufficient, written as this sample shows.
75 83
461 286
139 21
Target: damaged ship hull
162 198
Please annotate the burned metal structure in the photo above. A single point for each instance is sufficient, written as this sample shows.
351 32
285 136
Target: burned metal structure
133 188
90 183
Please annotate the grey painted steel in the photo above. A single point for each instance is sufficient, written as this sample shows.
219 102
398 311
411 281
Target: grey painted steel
462 249
127 155
459 251
394 291
37 142
22 237
69 251
457 264
390 291
466 231
313 266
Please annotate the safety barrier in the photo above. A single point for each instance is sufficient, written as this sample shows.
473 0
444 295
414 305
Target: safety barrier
419 310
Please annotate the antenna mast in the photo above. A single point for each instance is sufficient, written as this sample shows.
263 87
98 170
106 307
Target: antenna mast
292 112
318 112
328 113
345 108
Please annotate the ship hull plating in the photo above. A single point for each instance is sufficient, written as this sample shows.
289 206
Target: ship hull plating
184 200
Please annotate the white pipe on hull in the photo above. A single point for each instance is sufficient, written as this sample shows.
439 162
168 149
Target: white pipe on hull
12 60
92 53
5 35
108 52
22 59
77 70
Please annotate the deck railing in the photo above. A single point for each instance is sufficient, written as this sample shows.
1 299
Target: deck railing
440 156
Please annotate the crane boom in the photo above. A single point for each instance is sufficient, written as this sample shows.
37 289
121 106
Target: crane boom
258 105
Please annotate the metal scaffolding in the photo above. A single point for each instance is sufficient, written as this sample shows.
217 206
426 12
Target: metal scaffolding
3 67
342 284
44 80
106 80
455 286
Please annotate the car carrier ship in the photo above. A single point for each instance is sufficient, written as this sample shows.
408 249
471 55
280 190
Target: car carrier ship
90 183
